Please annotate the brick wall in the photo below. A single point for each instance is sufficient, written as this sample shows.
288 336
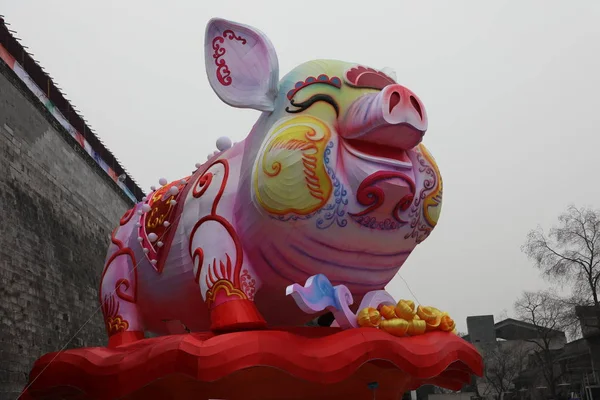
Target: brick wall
57 209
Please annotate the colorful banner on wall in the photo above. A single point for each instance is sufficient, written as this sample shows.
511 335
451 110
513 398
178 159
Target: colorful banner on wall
39 93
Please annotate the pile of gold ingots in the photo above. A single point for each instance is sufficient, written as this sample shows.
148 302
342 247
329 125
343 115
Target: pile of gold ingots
404 320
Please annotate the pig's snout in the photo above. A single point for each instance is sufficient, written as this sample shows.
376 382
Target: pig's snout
403 105
393 117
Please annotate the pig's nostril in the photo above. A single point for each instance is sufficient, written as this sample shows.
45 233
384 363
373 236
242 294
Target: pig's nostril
394 100
416 105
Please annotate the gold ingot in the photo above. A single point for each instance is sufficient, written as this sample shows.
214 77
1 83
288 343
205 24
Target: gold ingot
432 316
405 309
427 314
417 327
447 324
396 326
435 325
368 318
388 312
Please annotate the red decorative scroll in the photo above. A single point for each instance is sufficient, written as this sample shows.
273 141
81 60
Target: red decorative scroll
121 285
222 278
373 197
223 72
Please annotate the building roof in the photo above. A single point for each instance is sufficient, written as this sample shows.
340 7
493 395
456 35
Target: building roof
513 329
45 89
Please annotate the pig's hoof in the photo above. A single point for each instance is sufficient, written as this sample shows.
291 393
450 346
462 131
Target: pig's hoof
126 337
236 315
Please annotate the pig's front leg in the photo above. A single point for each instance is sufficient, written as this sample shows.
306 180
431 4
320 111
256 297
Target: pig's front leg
221 269
319 294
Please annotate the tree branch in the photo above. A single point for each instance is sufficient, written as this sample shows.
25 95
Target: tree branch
570 251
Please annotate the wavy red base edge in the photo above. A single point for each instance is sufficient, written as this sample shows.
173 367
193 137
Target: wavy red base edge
320 362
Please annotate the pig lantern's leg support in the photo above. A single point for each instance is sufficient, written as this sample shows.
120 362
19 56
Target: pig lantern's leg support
118 289
226 279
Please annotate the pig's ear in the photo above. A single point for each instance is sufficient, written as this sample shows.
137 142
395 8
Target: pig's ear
241 64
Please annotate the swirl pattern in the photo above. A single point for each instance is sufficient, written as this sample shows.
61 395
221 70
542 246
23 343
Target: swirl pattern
223 72
428 202
289 174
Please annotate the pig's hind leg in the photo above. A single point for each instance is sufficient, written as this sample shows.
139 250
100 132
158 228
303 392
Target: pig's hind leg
118 290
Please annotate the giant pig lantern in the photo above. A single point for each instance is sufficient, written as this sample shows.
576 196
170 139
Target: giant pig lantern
314 212
332 180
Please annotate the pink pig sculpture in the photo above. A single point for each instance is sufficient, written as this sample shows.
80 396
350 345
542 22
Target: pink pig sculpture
332 181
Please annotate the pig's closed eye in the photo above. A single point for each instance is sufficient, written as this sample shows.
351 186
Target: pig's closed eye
304 105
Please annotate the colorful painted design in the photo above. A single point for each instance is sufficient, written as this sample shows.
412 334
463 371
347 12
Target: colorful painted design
311 80
333 213
163 203
221 291
122 286
115 323
290 177
367 78
426 207
126 217
432 204
223 73
220 274
248 284
373 197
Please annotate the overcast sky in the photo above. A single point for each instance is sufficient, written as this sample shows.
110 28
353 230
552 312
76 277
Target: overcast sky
512 90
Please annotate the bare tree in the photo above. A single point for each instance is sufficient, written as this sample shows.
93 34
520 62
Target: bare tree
570 253
551 317
502 315
504 361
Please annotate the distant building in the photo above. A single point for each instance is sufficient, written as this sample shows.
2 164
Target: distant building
509 348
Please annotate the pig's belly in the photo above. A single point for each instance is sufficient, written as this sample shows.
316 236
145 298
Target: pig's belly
294 256
280 260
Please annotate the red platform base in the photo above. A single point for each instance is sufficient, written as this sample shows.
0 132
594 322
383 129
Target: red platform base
295 363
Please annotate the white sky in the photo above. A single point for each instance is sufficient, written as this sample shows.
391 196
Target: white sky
511 88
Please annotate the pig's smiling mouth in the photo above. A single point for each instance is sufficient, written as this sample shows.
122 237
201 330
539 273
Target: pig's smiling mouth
385 145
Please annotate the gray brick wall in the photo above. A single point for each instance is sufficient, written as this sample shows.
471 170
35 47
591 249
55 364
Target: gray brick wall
57 209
